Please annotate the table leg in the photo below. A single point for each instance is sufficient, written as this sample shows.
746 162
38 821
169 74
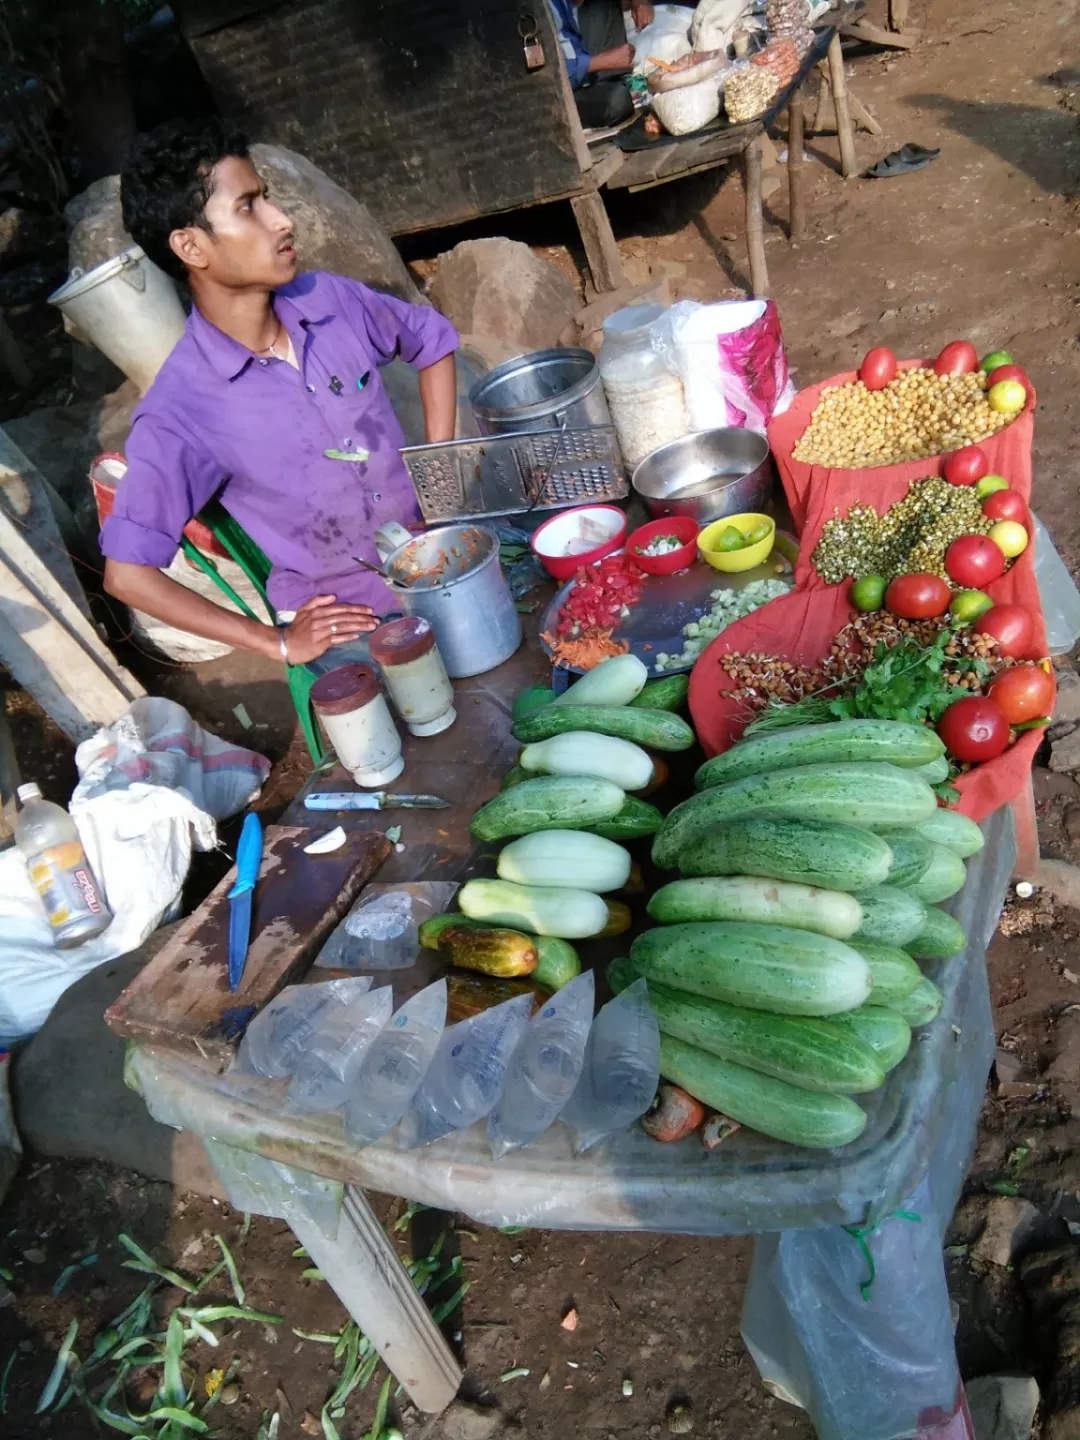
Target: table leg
755 240
598 238
838 81
1026 822
362 1268
796 140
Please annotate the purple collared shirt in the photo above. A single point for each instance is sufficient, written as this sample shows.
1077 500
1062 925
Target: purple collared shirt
219 420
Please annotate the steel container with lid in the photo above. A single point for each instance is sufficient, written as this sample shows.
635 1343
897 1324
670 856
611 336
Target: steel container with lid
415 675
540 391
358 724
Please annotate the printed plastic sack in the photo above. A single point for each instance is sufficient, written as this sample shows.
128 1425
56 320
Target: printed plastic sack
732 361
156 742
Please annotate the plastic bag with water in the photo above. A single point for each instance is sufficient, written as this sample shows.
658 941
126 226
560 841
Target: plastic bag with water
467 1072
324 1075
544 1068
392 1069
278 1036
621 1069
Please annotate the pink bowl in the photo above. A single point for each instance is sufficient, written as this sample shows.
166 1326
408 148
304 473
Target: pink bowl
553 541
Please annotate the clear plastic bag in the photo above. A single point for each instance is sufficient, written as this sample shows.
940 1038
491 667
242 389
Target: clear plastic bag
276 1039
620 1072
324 1074
392 1070
380 930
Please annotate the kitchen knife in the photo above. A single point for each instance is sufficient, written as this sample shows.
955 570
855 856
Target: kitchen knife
371 800
248 860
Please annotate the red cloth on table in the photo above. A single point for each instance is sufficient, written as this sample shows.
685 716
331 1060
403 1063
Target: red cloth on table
800 627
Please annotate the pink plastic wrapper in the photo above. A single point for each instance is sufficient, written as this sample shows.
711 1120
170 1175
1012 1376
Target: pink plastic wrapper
733 364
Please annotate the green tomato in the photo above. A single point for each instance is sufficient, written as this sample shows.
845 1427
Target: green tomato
968 605
994 359
868 593
989 484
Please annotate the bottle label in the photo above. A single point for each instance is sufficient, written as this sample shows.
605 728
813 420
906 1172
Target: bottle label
65 882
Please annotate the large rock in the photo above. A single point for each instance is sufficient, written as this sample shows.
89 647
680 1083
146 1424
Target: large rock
1003 1406
500 288
1010 1223
333 231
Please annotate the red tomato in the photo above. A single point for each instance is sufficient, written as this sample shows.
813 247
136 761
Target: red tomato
1012 626
1006 505
1024 692
958 358
878 368
918 596
974 561
974 729
964 467
1012 372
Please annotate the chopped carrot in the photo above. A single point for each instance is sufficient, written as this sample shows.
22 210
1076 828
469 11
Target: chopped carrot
586 650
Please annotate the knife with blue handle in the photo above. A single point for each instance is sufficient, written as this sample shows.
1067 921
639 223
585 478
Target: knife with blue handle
248 860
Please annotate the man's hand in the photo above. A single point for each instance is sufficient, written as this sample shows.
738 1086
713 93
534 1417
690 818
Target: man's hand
643 14
621 59
321 624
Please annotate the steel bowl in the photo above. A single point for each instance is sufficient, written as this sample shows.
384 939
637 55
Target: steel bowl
707 475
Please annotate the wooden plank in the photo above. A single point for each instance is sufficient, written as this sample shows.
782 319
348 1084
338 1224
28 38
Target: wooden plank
755 240
875 35
40 516
601 251
553 49
796 166
848 164
182 998
898 14
862 117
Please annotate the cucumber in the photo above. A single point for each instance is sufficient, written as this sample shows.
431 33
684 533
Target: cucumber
837 742
656 729
890 915
950 828
872 795
567 914
747 897
803 1051
894 972
911 856
922 1005
636 818
534 698
936 772
940 937
887 1033
806 852
557 962
432 928
615 681
621 974
569 858
762 967
944 876
669 692
583 752
513 776
771 1106
551 802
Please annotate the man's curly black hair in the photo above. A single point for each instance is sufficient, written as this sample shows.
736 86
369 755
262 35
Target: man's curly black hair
165 183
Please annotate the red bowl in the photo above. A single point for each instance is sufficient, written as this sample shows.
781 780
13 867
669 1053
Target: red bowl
550 540
679 525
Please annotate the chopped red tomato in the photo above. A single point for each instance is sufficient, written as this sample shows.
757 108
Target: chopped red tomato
601 596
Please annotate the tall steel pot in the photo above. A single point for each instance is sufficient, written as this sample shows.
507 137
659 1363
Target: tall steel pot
452 578
543 390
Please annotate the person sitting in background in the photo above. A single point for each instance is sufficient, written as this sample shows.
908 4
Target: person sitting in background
598 56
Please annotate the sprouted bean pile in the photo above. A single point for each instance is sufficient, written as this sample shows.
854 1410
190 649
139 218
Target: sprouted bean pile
910 537
918 414
727 607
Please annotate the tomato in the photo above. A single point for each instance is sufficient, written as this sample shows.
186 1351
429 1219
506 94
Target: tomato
878 368
1024 692
1012 626
599 595
974 729
974 561
918 596
958 358
1006 505
965 466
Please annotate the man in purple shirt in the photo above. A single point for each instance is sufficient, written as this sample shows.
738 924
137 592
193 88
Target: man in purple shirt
271 400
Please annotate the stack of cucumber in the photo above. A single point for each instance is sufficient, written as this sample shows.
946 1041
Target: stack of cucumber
783 973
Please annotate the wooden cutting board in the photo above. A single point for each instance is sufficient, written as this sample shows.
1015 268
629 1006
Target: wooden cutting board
182 998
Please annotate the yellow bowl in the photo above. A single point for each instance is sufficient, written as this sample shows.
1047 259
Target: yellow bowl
734 561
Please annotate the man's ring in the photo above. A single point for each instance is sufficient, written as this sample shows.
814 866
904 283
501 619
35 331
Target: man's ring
333 627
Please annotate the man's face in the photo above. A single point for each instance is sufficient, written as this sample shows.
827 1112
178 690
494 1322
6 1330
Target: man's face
249 241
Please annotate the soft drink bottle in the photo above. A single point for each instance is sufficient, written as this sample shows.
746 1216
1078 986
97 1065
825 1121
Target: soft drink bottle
59 870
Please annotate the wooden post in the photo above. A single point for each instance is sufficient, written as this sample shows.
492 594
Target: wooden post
362 1268
755 241
601 251
898 14
859 113
795 142
848 164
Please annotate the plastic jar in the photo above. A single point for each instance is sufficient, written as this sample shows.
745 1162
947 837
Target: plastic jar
358 724
415 675
645 398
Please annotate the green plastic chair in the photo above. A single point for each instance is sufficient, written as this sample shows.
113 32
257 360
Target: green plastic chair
233 538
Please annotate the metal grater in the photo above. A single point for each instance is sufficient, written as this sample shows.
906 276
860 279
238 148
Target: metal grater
491 475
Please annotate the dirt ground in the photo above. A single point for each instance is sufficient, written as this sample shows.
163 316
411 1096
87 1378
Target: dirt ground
981 244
